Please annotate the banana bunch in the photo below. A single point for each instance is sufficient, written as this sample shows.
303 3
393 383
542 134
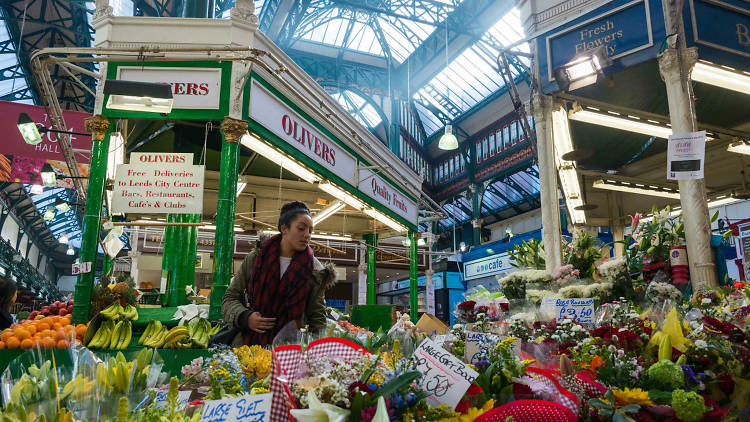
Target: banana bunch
112 336
194 335
116 311
78 388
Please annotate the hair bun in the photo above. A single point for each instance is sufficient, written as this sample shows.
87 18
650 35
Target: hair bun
294 205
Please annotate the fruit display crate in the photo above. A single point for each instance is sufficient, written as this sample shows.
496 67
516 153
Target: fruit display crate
174 359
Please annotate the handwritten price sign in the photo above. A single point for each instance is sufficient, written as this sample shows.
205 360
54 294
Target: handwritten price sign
580 310
246 408
443 376
479 345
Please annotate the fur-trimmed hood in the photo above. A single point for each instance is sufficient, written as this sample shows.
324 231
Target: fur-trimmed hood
324 275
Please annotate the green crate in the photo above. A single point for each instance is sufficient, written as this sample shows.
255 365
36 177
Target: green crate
374 317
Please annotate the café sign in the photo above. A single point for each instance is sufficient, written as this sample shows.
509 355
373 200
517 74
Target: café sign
623 30
276 116
192 87
487 266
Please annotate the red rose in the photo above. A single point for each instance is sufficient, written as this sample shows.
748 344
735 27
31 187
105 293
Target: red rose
463 406
473 390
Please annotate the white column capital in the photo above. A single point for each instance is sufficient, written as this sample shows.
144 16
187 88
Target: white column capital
669 63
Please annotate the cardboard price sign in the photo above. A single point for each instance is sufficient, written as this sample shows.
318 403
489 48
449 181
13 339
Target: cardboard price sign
443 376
580 310
183 397
81 268
479 345
255 408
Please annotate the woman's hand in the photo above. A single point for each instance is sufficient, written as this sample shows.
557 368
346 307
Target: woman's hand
259 324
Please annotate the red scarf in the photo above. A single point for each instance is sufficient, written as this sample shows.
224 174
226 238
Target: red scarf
284 299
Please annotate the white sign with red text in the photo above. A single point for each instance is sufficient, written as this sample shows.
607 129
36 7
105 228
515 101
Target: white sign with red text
272 113
192 88
686 156
159 183
378 189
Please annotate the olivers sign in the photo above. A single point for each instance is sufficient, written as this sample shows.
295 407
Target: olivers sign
620 31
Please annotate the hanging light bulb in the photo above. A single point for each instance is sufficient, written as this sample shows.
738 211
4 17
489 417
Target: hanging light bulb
36 189
49 214
64 238
448 141
70 250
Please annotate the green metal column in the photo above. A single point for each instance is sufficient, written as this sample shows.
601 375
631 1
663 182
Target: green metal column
191 250
476 214
99 127
413 294
371 240
108 267
175 262
231 132
168 251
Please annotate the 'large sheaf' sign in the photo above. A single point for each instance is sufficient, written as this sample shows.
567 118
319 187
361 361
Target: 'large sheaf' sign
21 162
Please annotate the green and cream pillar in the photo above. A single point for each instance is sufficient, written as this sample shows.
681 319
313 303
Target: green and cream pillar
413 293
231 133
100 129
372 241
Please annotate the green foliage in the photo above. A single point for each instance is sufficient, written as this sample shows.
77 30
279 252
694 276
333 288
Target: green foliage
608 408
666 375
528 255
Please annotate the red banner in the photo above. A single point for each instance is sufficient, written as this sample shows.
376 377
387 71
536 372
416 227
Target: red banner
21 162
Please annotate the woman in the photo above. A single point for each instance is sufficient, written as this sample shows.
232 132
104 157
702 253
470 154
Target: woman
282 281
8 294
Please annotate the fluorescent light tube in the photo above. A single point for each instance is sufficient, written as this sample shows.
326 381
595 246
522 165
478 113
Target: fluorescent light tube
341 194
563 144
279 158
377 215
314 236
642 189
609 120
708 73
328 211
739 147
240 188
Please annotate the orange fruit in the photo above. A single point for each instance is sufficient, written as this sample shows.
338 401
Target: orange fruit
2 345
27 344
13 343
7 333
48 343
48 321
21 333
47 333
62 344
80 330
56 326
39 317
64 321
31 328
42 326
59 335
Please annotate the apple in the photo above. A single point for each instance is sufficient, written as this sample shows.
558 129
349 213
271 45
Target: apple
45 310
62 312
33 314
57 303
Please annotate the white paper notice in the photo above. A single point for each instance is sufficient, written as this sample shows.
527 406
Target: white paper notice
159 184
479 345
246 408
443 376
183 397
686 156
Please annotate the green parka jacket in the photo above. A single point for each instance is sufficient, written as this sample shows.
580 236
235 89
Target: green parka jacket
235 311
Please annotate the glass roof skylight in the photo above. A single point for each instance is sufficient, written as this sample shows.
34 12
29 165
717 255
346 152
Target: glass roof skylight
471 77
63 222
11 82
358 107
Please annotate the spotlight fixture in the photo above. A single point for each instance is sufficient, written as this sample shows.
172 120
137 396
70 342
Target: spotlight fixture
32 131
63 238
462 246
49 178
36 189
740 147
583 70
70 251
138 96
448 141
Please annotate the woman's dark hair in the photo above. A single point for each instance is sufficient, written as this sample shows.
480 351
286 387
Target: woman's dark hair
7 290
290 211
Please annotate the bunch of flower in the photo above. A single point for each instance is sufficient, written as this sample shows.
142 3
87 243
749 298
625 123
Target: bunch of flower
656 236
567 333
518 328
658 293
599 291
225 368
565 274
458 348
255 361
465 311
195 372
514 285
616 367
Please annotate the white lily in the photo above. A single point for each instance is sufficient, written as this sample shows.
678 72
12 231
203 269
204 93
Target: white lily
320 412
381 414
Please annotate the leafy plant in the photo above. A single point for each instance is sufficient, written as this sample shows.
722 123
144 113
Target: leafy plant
528 255
582 255
608 408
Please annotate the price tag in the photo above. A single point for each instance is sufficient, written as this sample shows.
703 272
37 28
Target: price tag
255 408
478 346
160 401
443 376
440 339
82 268
580 310
76 269
335 315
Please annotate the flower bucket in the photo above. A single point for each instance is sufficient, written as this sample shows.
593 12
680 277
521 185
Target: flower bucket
679 263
